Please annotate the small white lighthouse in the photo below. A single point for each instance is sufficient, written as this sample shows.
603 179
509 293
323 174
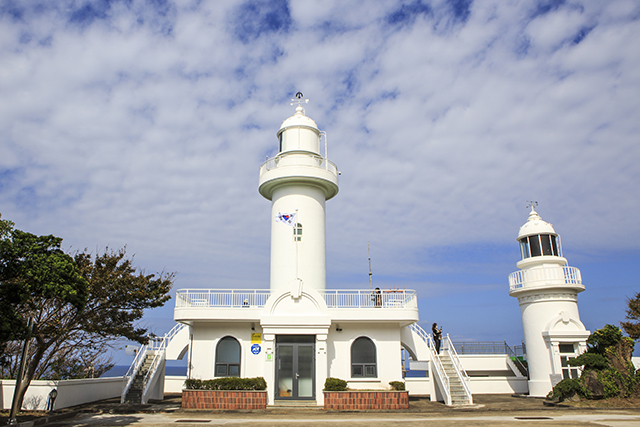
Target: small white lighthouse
547 289
298 181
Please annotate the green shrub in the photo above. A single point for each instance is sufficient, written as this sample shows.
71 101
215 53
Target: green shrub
227 383
568 388
590 361
335 384
603 338
397 385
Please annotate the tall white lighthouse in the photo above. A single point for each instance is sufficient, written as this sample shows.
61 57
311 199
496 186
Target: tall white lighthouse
298 181
547 289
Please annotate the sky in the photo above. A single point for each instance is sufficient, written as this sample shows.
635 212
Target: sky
143 123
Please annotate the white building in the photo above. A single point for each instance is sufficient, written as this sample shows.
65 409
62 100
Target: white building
547 291
297 333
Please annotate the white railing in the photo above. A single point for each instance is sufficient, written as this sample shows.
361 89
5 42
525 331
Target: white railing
157 344
173 332
568 275
440 373
370 299
133 370
299 159
148 378
230 298
460 372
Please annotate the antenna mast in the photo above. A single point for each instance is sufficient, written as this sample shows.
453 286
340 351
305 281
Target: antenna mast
370 273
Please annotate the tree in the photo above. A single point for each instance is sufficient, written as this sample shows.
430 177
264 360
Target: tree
72 331
632 327
33 271
608 371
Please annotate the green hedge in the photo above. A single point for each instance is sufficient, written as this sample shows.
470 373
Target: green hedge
335 384
227 383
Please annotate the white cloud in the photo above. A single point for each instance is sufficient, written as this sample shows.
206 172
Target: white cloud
148 129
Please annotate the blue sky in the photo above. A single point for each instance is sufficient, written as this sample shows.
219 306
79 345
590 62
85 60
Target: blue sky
144 123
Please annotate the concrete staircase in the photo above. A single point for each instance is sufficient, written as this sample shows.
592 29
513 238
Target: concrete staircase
458 394
134 395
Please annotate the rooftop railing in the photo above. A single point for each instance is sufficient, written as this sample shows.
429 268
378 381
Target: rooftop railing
568 275
243 298
299 159
488 347
222 298
385 298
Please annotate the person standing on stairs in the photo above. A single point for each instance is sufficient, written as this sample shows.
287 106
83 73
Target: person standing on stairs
437 336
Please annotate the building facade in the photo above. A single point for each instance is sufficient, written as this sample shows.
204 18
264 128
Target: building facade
547 291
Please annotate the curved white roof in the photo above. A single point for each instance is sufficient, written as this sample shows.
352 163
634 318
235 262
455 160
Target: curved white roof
535 225
298 119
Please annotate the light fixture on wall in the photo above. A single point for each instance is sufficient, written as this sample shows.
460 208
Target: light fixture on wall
253 326
338 328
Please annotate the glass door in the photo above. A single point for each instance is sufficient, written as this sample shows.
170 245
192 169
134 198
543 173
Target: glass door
295 368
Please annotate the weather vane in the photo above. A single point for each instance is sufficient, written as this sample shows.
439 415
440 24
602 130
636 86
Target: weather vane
532 204
299 101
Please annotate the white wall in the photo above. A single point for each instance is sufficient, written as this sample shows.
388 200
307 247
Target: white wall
498 385
174 384
205 339
386 338
70 392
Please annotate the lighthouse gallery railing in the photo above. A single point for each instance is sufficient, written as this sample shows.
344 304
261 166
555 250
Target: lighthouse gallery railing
257 298
570 275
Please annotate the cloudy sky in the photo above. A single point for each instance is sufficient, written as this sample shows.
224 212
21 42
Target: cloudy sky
144 123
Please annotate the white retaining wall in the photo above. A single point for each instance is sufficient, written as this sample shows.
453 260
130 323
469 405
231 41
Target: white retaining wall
70 392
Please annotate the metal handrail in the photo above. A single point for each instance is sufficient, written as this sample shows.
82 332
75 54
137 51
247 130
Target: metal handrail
157 359
133 370
569 276
516 360
229 298
486 347
385 298
435 359
299 159
158 344
257 298
462 374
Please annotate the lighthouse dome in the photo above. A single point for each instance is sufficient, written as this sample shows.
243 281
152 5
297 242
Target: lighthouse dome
299 133
535 225
298 119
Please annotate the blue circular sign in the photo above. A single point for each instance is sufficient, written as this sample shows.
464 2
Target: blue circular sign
255 349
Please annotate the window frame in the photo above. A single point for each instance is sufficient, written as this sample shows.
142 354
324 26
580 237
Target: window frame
227 365
366 369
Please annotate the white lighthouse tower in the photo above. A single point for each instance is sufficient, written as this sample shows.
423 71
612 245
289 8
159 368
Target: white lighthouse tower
547 289
298 181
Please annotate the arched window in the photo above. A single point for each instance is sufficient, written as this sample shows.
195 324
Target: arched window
363 358
297 232
228 358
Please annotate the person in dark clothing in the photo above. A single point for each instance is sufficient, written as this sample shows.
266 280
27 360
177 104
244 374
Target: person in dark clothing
437 336
377 298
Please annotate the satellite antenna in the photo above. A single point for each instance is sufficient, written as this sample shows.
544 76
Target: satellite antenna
370 273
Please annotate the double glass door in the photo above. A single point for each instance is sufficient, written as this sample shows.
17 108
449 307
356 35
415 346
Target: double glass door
295 367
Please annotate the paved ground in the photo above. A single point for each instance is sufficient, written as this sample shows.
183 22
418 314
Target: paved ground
489 410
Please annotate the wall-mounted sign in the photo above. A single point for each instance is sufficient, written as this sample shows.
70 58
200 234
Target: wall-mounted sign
256 338
255 349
